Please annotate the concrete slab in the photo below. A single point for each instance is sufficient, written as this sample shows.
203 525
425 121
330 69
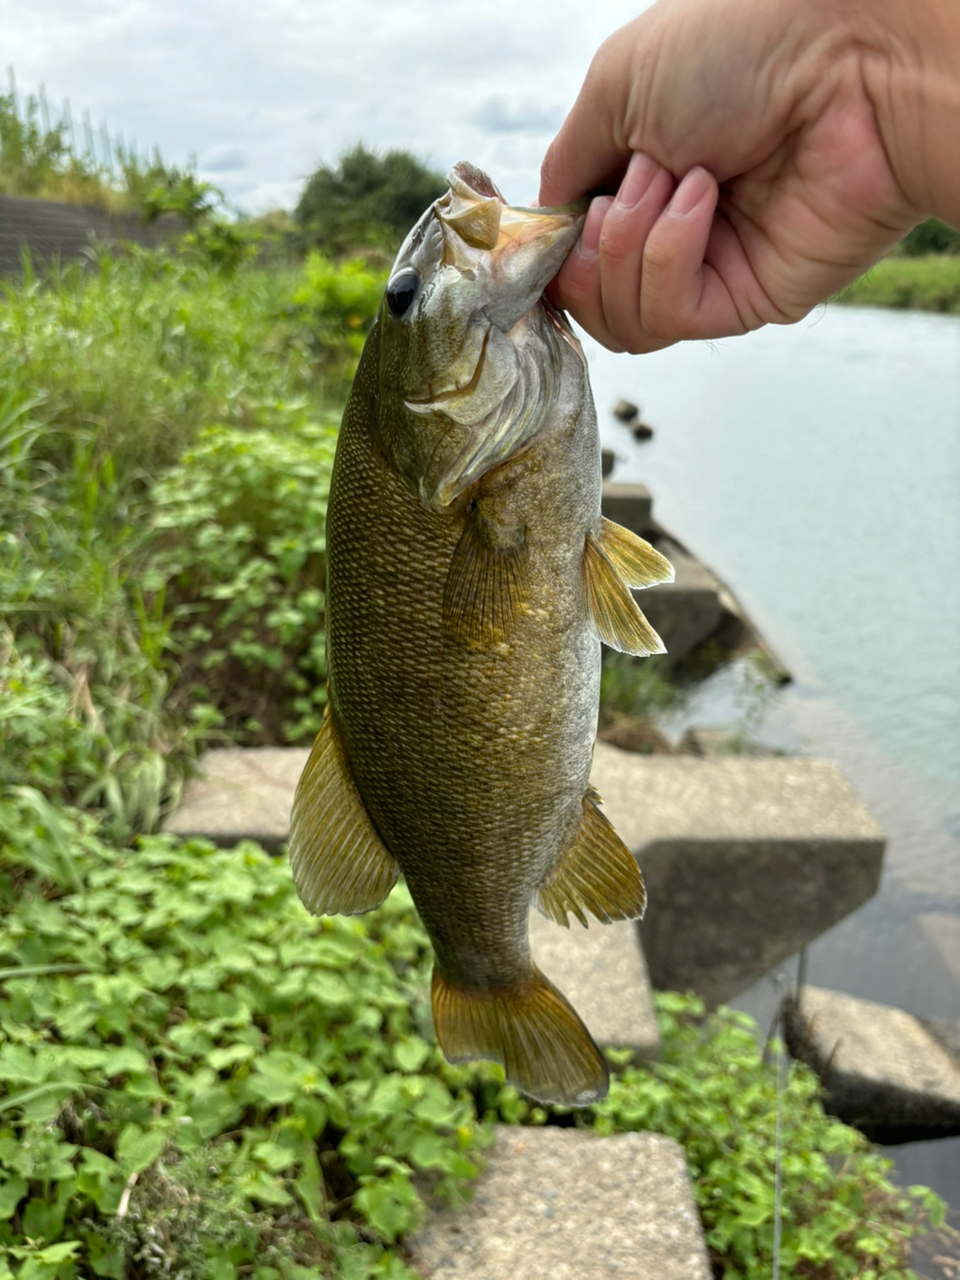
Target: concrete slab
943 931
602 973
881 1069
241 794
566 1204
684 612
746 861
627 504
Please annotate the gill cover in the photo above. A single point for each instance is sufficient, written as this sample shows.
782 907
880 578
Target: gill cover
470 361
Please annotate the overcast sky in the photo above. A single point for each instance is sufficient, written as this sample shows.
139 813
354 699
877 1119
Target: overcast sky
261 93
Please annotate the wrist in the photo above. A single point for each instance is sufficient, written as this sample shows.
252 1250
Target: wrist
911 73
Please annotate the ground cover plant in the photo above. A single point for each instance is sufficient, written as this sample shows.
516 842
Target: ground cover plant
194 1072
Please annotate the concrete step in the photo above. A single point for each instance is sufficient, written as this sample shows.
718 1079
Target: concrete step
566 1204
882 1070
746 860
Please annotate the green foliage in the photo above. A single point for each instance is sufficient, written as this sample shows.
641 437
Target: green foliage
930 283
368 200
164 463
634 687
931 236
40 162
194 1072
715 1094
241 562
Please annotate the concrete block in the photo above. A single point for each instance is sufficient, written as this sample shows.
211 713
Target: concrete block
241 793
627 504
745 861
566 1204
602 973
684 612
881 1069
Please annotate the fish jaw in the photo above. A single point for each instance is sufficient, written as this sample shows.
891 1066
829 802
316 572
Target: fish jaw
519 249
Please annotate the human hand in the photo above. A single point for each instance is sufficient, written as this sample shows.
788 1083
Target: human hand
789 126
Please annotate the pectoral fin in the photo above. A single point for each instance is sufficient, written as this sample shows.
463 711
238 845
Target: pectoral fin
487 584
530 1028
339 863
598 873
613 610
637 563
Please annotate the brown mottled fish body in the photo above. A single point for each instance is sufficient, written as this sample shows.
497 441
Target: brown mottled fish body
467 585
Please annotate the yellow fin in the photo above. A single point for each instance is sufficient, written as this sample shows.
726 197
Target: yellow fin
598 873
487 582
531 1029
637 563
613 610
339 863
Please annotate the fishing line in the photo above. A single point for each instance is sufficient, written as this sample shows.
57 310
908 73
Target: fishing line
779 984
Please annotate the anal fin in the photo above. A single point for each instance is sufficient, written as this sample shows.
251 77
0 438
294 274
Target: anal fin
340 865
598 873
613 610
486 586
531 1029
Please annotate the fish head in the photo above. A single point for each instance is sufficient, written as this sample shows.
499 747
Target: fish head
469 354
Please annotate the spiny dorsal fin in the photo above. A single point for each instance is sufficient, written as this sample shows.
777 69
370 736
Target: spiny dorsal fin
613 610
637 563
598 873
531 1029
339 863
486 585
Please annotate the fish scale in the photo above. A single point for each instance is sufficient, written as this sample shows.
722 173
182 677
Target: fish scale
470 578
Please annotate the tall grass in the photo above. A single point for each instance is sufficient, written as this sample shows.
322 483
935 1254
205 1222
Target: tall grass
148 409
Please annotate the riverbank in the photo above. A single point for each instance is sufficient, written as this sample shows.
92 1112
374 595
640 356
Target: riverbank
930 283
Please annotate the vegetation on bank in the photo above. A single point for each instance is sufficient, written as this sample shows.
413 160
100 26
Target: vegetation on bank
930 283
196 1078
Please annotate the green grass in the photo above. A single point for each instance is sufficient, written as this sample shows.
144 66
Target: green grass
930 283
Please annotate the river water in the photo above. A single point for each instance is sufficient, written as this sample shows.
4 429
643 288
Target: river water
816 469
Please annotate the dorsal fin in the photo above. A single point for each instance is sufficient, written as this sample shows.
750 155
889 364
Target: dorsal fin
598 873
340 865
613 610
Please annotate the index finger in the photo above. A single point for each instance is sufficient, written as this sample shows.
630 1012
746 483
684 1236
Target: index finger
591 151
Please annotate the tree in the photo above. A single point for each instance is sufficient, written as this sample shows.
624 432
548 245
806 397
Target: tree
368 201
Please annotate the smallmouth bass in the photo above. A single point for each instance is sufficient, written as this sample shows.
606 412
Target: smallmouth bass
471 578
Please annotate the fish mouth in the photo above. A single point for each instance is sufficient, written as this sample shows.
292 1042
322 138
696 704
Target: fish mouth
520 249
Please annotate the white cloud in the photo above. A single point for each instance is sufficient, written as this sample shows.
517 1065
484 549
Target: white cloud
286 84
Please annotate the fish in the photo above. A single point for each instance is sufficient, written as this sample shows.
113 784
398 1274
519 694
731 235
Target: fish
470 581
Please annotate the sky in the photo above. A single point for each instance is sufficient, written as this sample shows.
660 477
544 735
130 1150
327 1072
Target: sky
260 94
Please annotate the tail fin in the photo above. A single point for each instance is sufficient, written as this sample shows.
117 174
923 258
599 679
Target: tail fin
531 1029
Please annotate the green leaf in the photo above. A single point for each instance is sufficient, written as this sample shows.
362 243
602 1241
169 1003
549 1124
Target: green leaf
137 1150
12 1192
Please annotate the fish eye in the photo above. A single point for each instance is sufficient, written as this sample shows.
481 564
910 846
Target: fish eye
401 292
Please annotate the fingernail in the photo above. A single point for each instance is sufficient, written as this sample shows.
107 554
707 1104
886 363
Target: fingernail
690 192
593 225
636 181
